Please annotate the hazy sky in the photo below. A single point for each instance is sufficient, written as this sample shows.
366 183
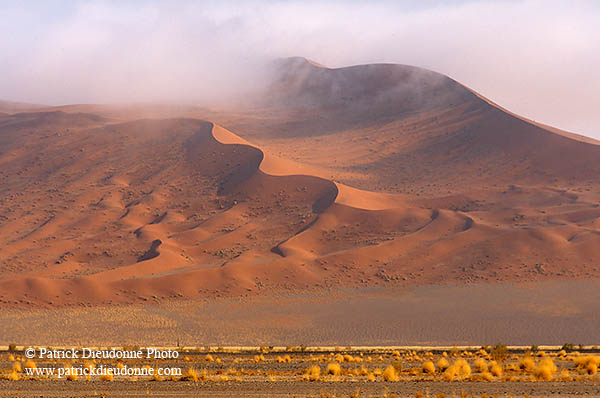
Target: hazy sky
539 58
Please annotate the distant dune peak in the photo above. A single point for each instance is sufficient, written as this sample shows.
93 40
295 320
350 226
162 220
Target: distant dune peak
383 89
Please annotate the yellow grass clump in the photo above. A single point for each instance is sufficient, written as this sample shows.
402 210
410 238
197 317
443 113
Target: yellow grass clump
480 365
495 369
107 376
285 359
565 375
389 374
546 369
464 370
442 364
190 375
450 373
16 367
30 365
313 373
209 358
460 368
428 367
589 364
527 364
334 368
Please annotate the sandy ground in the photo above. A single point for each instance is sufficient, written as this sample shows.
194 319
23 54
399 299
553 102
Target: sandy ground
43 389
517 314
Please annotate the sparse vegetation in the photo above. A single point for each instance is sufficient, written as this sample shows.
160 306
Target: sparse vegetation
272 365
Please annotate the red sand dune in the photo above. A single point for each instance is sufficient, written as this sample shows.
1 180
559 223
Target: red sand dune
367 175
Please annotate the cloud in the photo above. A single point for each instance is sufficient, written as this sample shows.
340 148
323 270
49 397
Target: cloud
537 58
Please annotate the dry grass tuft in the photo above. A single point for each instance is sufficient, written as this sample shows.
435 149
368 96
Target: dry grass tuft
495 369
16 367
480 365
333 368
428 367
546 369
389 374
527 364
30 365
442 364
589 364
313 373
190 375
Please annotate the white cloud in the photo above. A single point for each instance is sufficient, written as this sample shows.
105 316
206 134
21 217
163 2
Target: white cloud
537 58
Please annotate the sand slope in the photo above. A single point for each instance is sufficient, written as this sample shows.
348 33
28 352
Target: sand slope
371 175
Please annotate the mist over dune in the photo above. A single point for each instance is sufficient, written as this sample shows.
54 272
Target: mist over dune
536 58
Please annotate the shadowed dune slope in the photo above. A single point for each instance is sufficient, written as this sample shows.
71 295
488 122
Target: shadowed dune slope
370 175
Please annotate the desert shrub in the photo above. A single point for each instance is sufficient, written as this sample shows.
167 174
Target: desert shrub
546 369
499 352
450 373
334 368
565 375
589 364
442 364
190 375
30 364
389 374
259 358
12 347
428 367
313 373
495 369
480 365
527 364
464 370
